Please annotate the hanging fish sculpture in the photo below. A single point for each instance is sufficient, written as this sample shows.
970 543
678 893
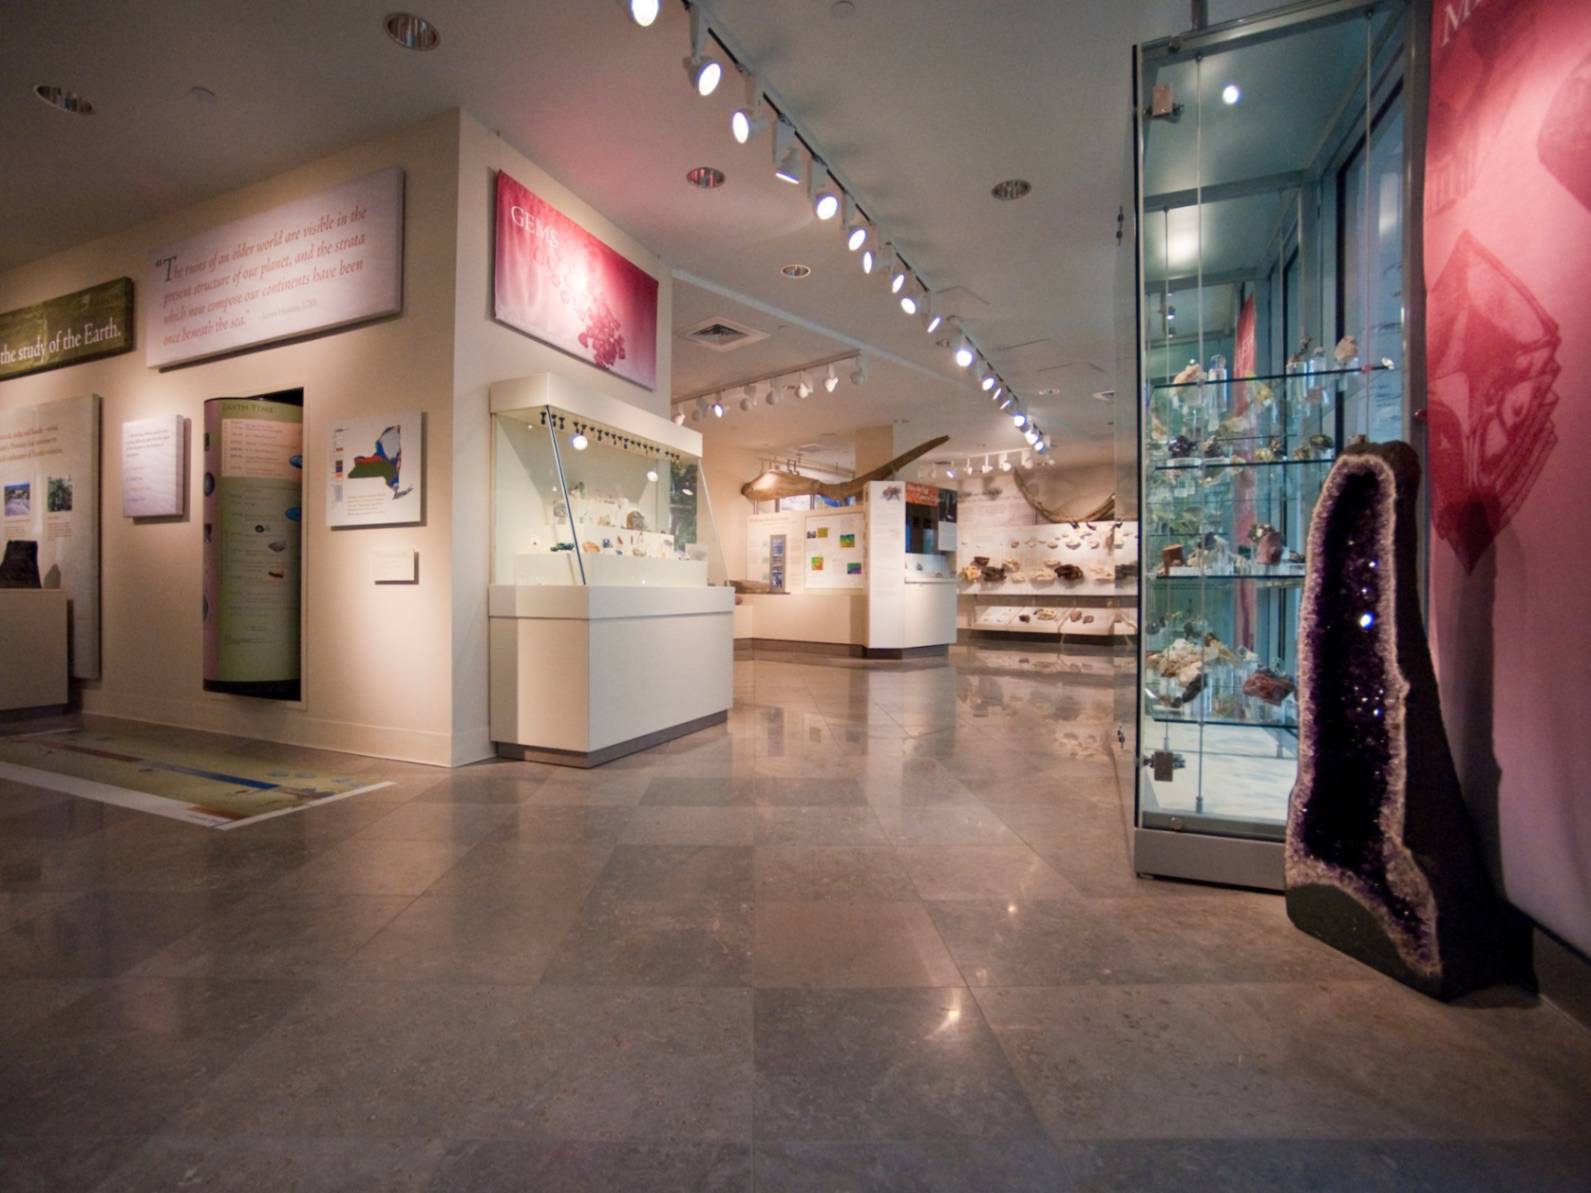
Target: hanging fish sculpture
772 483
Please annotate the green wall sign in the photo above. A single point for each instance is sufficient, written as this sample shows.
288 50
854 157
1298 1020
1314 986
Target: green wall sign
67 330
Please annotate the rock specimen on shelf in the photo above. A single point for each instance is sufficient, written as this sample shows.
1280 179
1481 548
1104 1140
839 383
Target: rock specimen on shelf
1269 686
20 568
1067 571
1381 859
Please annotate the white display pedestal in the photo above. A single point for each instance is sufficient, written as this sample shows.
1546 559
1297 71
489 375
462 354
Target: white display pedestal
33 647
581 676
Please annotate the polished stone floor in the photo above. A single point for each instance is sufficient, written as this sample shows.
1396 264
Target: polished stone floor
879 933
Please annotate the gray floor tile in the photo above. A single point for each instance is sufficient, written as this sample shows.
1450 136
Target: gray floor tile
807 792
667 873
680 942
255 1164
271 935
466 939
819 826
58 1163
449 823
1279 1060
126 1058
961 1166
576 1167
1009 872
883 1065
674 791
26 1001
811 872
850 943
658 825
495 871
96 935
539 826
367 867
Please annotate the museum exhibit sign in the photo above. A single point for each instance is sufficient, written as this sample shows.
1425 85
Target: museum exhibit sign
375 470
67 330
49 475
253 536
555 281
154 467
328 260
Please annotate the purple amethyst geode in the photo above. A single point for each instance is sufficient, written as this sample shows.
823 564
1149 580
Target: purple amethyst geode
1382 861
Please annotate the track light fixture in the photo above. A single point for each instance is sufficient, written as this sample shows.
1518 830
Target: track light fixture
859 371
1031 435
804 386
897 278
855 229
643 12
987 382
988 467
964 354
1005 463
931 318
704 71
1007 402
773 398
579 442
1042 446
996 392
832 381
718 406
651 475
867 259
679 417
909 302
1020 418
786 157
825 203
746 121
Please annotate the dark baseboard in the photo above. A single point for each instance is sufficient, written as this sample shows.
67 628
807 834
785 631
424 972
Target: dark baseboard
585 760
906 652
1563 976
750 647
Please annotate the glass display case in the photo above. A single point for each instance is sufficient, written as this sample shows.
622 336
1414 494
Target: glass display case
577 501
1270 250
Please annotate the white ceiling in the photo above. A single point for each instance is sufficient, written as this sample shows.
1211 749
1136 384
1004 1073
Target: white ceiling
922 105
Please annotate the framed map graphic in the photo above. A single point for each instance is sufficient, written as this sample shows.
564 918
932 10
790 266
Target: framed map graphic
375 470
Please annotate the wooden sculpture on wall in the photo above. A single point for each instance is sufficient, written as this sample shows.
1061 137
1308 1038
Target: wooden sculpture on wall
772 483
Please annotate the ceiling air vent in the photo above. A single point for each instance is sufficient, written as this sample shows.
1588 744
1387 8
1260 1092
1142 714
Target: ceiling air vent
722 335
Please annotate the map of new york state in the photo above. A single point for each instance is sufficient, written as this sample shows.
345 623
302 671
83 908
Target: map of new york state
384 463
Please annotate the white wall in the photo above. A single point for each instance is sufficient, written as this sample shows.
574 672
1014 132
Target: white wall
486 351
377 659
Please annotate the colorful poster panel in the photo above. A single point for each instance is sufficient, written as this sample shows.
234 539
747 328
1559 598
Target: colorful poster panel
375 470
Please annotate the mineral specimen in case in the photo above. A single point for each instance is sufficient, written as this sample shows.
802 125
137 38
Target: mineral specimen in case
1381 858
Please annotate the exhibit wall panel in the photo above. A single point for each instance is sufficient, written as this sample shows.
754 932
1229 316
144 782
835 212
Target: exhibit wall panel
1507 242
377 658
487 351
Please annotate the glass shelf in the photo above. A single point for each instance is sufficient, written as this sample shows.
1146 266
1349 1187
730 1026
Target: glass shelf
1203 463
1265 577
1233 723
1300 376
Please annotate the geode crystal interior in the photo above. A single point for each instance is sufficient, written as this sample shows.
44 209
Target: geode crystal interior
1382 860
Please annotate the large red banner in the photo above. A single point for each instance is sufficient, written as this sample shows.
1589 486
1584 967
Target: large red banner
559 283
1508 354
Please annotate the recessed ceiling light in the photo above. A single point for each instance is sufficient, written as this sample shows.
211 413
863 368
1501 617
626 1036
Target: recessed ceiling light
708 178
412 32
1231 93
1011 188
795 271
841 9
201 95
67 101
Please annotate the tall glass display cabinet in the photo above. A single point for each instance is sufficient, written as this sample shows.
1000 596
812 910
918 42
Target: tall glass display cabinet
1271 331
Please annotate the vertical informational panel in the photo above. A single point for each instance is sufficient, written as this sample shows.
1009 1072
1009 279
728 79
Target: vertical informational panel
1508 351
835 551
49 477
154 472
886 565
253 536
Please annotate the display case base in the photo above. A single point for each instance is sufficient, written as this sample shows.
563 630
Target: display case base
1231 861
585 760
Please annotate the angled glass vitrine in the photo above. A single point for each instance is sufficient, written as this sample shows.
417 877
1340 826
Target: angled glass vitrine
1270 334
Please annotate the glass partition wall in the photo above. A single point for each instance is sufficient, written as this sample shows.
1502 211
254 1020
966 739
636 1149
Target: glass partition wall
1271 206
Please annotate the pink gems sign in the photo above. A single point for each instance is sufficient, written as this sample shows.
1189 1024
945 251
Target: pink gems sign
557 282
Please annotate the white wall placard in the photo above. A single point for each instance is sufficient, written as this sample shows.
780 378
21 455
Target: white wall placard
398 566
49 479
153 477
323 261
375 470
835 550
886 557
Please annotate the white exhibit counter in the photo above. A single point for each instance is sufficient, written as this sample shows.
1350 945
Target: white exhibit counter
33 647
580 676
